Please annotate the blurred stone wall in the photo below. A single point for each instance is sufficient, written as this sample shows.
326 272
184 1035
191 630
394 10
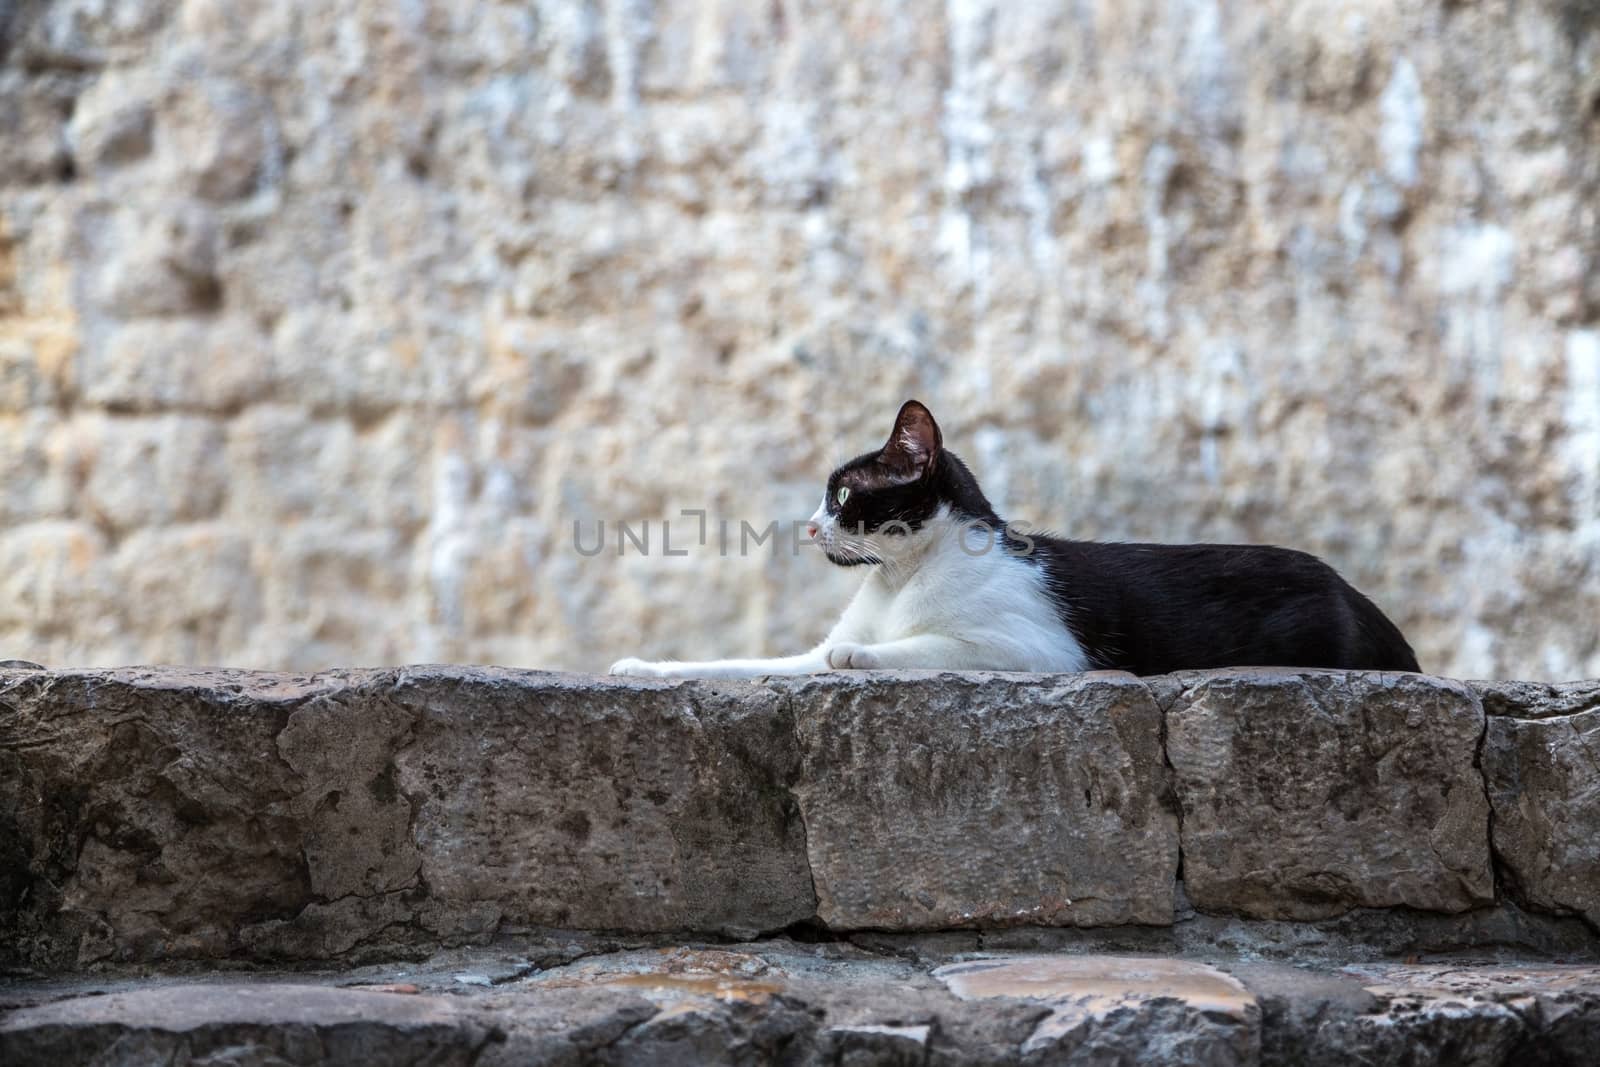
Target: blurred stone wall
320 324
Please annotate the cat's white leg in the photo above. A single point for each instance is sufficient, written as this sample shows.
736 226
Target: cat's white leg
920 652
805 663
866 605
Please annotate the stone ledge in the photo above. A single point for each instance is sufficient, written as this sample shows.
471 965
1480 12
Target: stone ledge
154 814
779 1001
1306 794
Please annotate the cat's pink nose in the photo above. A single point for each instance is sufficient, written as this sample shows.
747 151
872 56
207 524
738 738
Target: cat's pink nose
811 530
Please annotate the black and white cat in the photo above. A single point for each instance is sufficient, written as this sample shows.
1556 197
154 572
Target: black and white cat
951 587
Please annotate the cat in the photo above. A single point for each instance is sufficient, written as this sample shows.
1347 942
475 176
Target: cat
950 586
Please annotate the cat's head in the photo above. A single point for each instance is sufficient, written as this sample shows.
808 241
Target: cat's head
886 503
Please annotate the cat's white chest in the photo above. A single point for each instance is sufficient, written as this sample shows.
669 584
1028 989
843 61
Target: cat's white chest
993 604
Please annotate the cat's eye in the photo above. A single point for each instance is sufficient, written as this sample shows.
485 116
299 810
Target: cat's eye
842 495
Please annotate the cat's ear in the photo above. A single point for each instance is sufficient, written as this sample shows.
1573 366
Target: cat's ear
915 442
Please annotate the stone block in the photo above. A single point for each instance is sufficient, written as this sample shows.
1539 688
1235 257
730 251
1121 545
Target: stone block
267 1024
36 364
984 800
41 281
322 584
113 123
36 458
281 462
573 802
33 119
88 34
224 138
291 268
150 810
50 574
1119 1009
189 592
146 470
286 465
153 365
1307 794
336 360
152 259
1544 783
1538 700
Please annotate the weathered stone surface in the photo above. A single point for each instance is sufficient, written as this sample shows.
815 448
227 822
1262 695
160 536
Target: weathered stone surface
582 802
36 453
271 445
159 261
33 114
1477 1016
112 123
1458 1012
819 1004
188 579
145 472
260 1024
1544 783
49 567
1311 273
1119 1009
169 814
1298 1004
1366 935
989 800
164 364
223 137
366 565
1538 700
84 34
1305 794
32 365
145 814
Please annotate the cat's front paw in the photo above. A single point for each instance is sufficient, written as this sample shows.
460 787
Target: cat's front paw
640 668
845 656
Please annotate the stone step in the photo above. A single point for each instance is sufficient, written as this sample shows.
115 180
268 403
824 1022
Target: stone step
928 1001
161 814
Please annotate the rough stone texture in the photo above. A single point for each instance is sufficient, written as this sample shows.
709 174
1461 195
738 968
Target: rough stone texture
1307 793
173 814
146 814
1459 1012
447 277
778 1002
575 802
1538 700
1368 934
1107 1009
1544 782
266 1024
989 800
150 815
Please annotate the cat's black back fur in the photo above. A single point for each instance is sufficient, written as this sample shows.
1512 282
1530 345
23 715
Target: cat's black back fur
1154 609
